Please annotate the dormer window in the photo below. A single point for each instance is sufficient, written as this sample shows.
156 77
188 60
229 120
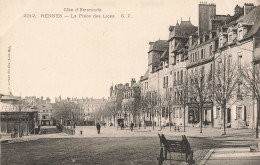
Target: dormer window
240 34
242 30
221 42
190 40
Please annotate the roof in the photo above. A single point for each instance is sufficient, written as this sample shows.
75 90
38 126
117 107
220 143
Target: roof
159 45
9 98
145 76
185 29
252 16
46 106
165 54
257 47
138 84
7 107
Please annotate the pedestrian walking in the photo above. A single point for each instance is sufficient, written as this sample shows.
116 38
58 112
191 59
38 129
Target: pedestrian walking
121 125
98 128
132 126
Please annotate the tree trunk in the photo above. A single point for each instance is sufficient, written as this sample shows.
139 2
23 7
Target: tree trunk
201 118
144 121
224 120
184 118
114 120
160 121
153 121
170 119
257 118
19 129
160 117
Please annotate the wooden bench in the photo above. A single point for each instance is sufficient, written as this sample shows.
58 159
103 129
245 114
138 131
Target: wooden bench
177 146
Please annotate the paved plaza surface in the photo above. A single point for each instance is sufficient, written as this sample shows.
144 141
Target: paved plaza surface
116 146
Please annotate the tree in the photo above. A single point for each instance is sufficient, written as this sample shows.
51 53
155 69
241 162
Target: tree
168 103
226 84
251 77
200 90
111 106
152 99
184 97
100 113
143 107
63 110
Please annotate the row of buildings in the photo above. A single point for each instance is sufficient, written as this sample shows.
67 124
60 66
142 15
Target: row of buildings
190 49
24 116
69 110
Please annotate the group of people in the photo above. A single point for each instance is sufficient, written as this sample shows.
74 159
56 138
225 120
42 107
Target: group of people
131 126
98 126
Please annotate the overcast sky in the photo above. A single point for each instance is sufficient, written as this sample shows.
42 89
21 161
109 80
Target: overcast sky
83 57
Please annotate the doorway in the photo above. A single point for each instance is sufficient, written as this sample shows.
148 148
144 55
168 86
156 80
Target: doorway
228 115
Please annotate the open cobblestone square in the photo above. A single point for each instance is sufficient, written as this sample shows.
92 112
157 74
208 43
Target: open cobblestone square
115 146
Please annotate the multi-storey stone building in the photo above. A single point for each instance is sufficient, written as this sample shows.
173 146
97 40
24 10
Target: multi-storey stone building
178 48
131 103
232 37
90 106
114 103
158 79
44 108
237 40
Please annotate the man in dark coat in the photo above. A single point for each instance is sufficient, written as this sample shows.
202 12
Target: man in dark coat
98 128
132 126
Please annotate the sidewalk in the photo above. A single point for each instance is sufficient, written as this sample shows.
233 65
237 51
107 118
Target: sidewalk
232 156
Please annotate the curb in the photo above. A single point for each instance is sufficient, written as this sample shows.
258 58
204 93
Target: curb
206 158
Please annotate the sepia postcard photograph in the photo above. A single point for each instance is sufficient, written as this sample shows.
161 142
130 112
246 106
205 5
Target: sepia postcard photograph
138 82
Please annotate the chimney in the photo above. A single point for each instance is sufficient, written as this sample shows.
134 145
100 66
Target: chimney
127 85
133 82
48 100
248 7
237 10
206 11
